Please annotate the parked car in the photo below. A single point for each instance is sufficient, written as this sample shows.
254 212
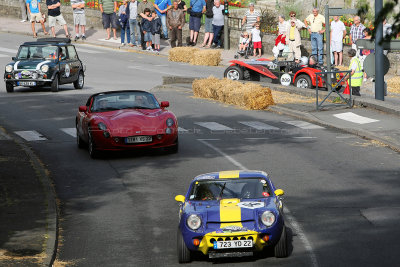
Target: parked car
46 62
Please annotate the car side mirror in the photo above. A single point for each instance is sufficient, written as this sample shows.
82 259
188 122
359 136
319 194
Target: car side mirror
279 192
82 108
13 58
164 104
180 198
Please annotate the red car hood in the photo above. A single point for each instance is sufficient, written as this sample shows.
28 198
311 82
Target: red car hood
130 122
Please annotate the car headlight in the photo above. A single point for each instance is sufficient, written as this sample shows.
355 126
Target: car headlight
44 68
102 126
193 222
9 68
170 122
268 218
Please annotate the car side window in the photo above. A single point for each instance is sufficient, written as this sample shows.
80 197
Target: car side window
64 54
72 53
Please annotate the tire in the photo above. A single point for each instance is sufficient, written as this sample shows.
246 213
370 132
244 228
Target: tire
234 73
93 152
184 254
281 249
79 141
55 84
303 81
78 84
9 87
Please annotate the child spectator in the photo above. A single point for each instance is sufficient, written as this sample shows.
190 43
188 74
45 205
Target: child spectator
244 42
123 21
78 7
156 32
256 38
147 27
33 8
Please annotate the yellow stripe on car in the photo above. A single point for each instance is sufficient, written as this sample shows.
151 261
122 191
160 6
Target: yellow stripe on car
230 213
228 174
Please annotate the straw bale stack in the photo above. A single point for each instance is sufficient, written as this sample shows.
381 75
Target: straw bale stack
249 95
210 57
182 54
394 85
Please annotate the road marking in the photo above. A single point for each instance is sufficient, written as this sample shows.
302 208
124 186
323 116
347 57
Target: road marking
288 214
257 138
7 50
182 130
1 55
98 47
31 135
352 117
69 131
83 50
258 125
304 125
304 137
140 68
213 126
208 139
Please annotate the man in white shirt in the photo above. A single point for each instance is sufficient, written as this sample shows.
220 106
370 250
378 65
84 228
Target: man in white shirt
338 32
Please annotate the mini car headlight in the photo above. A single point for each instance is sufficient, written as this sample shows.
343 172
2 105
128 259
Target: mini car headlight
268 218
102 126
44 68
170 122
9 68
193 222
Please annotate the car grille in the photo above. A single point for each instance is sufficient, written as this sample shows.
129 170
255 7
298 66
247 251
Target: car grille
26 74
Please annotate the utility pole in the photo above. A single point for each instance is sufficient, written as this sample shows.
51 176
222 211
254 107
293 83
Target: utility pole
379 75
226 25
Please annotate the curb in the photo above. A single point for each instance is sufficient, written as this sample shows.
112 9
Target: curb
52 209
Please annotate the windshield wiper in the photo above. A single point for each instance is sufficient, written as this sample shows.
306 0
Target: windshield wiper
222 191
140 107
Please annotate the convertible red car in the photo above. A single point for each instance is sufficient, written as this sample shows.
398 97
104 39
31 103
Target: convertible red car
120 120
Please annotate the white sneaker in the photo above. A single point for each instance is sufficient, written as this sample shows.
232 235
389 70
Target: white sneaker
24 20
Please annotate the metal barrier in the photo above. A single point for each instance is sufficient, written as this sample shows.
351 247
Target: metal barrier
331 88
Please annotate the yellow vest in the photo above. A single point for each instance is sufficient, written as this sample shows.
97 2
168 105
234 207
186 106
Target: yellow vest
357 77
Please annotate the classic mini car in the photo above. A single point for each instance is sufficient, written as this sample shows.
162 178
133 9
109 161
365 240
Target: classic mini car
121 120
284 72
231 214
47 62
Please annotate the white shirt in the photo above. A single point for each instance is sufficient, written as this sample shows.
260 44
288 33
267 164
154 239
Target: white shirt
337 29
133 10
255 35
282 27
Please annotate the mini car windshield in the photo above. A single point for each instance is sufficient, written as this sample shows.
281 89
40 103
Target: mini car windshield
37 52
246 188
124 100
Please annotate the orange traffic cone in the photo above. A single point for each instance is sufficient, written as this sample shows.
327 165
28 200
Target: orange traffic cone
347 89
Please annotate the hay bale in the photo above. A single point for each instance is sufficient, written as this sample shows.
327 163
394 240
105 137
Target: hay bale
249 95
182 54
209 57
342 68
394 85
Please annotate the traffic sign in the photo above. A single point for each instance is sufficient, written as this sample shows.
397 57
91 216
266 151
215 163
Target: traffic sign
369 65
370 44
341 12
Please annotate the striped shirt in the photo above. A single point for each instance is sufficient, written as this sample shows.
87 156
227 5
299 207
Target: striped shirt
78 10
108 6
251 18
357 32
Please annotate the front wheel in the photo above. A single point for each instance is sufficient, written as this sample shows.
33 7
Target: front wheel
93 152
303 81
79 140
234 73
9 87
281 248
184 254
55 84
78 84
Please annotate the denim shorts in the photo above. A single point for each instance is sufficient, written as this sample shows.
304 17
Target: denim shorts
208 25
147 37
194 24
109 19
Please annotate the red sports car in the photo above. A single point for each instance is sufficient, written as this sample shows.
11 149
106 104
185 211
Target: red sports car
121 120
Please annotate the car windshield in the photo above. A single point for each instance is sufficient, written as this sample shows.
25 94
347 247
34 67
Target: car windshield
124 100
37 52
230 188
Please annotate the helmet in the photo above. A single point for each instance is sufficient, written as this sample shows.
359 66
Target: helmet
304 60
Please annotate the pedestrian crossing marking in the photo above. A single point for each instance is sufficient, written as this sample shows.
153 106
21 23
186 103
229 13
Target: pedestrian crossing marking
30 135
304 125
69 131
182 130
8 50
259 125
352 117
214 126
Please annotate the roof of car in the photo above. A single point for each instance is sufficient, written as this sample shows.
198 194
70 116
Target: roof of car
50 41
231 175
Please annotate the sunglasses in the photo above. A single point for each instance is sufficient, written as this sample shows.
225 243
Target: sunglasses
292 16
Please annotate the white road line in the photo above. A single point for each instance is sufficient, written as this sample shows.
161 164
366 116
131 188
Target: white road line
352 117
100 48
258 125
304 137
213 126
182 130
140 68
257 138
7 50
304 125
31 135
83 50
69 131
288 214
208 139
1 55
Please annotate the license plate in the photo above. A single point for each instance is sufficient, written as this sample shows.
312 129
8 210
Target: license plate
138 139
233 244
27 83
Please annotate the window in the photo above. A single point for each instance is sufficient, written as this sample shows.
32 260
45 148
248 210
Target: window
72 53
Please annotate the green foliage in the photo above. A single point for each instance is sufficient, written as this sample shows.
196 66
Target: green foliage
367 13
293 6
268 18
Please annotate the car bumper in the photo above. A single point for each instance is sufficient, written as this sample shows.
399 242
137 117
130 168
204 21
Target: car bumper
37 82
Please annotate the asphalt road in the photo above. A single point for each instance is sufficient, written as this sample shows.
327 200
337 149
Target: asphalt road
341 192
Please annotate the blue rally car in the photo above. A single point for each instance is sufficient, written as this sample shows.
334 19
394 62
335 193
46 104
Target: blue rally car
231 214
